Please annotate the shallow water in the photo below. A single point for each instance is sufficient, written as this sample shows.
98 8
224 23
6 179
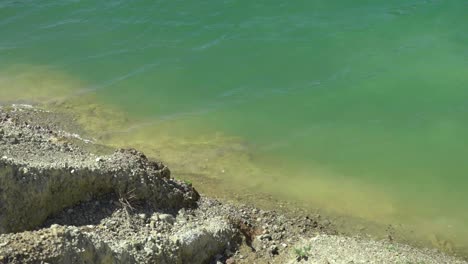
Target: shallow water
355 107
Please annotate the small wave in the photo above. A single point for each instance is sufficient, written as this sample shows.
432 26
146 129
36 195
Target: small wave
211 43
61 23
108 83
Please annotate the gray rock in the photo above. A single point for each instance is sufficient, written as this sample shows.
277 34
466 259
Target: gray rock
199 244
36 181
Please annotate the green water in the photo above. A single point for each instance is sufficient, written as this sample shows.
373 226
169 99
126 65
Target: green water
356 107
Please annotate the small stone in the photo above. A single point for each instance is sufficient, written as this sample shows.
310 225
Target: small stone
149 252
142 216
99 159
154 217
273 250
277 236
69 211
14 141
284 245
167 218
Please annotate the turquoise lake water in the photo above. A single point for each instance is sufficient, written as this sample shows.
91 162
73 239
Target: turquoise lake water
359 107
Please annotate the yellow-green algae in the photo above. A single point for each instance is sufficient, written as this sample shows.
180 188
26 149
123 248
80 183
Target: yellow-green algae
228 169
233 173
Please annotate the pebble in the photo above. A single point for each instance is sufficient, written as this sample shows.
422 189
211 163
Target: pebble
265 237
273 250
14 141
154 217
142 216
167 218
277 236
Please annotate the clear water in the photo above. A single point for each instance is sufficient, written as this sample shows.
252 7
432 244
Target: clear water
356 107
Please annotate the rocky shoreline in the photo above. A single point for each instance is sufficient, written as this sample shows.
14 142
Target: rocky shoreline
64 199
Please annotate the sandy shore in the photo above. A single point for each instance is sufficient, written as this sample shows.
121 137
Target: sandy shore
65 199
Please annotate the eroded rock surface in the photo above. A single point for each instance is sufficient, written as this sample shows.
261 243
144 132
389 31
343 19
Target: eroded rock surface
43 170
120 242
